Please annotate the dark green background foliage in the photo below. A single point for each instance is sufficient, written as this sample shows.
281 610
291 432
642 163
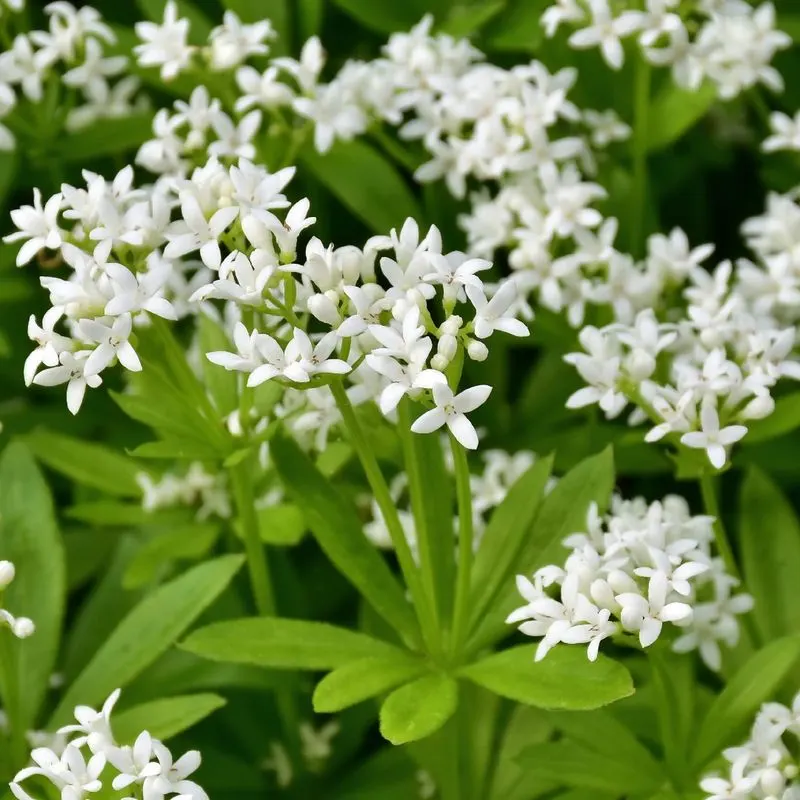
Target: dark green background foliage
707 176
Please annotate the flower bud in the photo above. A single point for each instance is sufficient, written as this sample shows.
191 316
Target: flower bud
439 362
477 351
451 325
759 407
640 365
7 573
324 309
448 347
772 782
23 627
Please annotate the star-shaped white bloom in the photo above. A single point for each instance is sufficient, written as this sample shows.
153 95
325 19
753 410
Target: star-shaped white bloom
140 291
712 438
38 224
647 615
451 410
72 371
164 45
306 360
195 232
112 343
493 315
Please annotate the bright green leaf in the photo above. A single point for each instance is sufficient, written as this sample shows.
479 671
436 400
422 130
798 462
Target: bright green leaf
310 15
362 679
171 449
222 383
282 524
381 17
564 679
464 20
284 644
418 709
517 28
113 514
756 682
674 110
30 539
165 718
770 545
784 419
106 137
336 526
365 182
148 631
505 535
85 462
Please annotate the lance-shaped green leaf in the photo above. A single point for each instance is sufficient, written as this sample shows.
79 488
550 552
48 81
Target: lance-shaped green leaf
564 679
146 632
381 17
562 512
336 526
755 683
29 538
166 717
770 546
285 644
106 137
674 110
418 709
85 462
359 680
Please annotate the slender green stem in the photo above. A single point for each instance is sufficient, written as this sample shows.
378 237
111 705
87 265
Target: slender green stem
465 545
386 505
418 508
638 201
708 490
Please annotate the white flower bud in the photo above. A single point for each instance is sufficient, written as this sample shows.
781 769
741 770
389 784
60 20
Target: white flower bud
621 582
640 365
7 573
758 408
477 351
439 362
349 260
772 781
23 627
324 309
451 325
790 771
603 594
448 347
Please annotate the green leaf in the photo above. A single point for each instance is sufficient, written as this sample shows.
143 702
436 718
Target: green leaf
564 679
106 137
284 644
222 383
359 680
505 534
674 110
8 171
418 709
190 542
282 524
336 526
365 182
784 419
165 718
85 462
517 28
381 17
310 17
563 512
147 632
770 547
789 23
113 514
171 449
570 763
464 20
30 539
756 682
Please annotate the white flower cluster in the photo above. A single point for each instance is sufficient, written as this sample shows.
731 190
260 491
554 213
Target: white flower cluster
69 56
501 470
785 133
703 366
147 767
129 259
21 627
764 767
732 45
196 487
633 570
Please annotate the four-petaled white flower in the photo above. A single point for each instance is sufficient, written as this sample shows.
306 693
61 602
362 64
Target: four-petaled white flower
72 371
713 439
112 343
38 224
451 410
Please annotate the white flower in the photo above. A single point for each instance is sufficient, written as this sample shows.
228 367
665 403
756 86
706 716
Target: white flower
606 31
92 73
455 271
174 774
50 344
164 45
235 141
306 360
134 763
368 303
493 315
70 773
249 353
93 726
232 43
712 438
21 627
113 343
404 379
37 224
197 233
139 292
451 410
259 89
785 133
647 615
72 371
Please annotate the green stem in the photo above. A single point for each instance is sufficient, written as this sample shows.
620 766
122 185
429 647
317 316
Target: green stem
708 490
384 500
465 545
640 137
418 508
